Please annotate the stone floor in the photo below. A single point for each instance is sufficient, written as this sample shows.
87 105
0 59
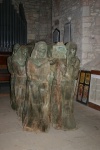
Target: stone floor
85 137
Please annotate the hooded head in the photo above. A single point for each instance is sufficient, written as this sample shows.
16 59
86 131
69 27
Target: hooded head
15 48
40 50
71 49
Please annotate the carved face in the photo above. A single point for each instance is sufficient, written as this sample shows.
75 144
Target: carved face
21 55
59 51
42 50
24 52
73 52
71 48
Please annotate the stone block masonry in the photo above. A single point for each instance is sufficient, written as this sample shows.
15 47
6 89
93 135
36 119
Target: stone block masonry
38 16
85 25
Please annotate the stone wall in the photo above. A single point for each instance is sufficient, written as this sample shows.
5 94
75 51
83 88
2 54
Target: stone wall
90 31
45 15
38 16
85 25
61 11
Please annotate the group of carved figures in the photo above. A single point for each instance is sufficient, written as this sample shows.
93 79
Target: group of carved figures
42 85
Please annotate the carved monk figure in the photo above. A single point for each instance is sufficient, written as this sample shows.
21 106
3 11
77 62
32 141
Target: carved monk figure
72 63
36 109
19 59
58 70
12 80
